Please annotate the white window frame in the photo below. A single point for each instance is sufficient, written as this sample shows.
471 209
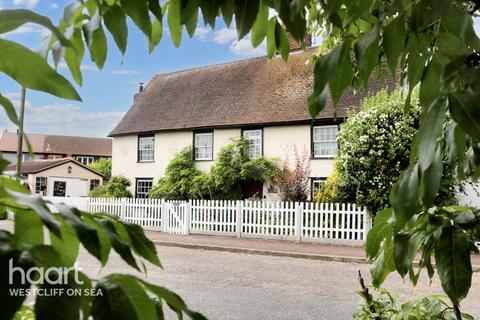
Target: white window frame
209 157
143 149
144 193
249 140
85 160
327 156
320 182
39 183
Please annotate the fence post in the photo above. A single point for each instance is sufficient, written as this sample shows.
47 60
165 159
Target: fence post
123 208
164 216
298 221
188 214
367 223
239 218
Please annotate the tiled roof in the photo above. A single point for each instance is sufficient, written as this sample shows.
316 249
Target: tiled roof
53 144
248 92
35 166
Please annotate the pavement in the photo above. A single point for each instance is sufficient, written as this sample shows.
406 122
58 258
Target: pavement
281 248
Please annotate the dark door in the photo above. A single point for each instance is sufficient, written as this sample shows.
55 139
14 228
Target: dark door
59 188
252 189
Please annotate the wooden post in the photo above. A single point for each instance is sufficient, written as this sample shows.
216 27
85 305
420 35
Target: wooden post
188 214
366 223
298 221
239 217
164 216
123 208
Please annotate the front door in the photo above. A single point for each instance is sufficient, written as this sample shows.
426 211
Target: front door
59 188
252 189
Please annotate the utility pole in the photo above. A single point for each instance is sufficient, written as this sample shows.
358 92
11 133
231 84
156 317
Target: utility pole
20 133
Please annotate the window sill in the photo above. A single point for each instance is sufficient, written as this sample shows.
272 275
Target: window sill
323 158
202 160
150 161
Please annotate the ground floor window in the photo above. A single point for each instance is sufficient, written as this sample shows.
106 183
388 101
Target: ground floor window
41 185
85 160
317 185
142 187
94 183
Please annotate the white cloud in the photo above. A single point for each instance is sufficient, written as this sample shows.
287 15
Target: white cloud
28 28
66 119
225 35
26 3
54 5
202 33
244 48
123 72
83 67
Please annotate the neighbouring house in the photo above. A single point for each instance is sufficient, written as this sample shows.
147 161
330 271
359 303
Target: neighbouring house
83 149
58 177
262 100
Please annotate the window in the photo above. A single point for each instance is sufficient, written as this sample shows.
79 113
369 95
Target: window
203 145
94 183
254 140
316 40
317 185
41 185
324 141
85 160
143 186
146 148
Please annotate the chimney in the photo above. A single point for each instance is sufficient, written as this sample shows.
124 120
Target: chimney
140 87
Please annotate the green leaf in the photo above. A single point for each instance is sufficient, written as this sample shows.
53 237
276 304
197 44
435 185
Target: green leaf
404 250
32 71
343 74
381 229
316 104
105 245
98 46
432 179
325 67
36 203
271 41
116 22
12 19
138 11
404 196
383 265
174 25
9 109
452 257
157 33
245 15
124 298
227 12
394 36
191 25
259 28
464 110
367 51
141 244
429 87
44 256
86 234
430 132
156 9
281 38
73 56
455 143
119 245
67 246
28 229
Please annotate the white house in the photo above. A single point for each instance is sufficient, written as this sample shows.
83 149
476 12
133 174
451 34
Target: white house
263 100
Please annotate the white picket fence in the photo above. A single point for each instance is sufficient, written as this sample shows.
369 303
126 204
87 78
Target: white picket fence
301 221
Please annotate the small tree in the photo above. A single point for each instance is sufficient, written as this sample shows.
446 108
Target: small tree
329 191
293 184
103 166
179 176
116 188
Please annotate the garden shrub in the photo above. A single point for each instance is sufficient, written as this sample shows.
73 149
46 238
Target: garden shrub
374 147
117 187
293 184
329 191
103 166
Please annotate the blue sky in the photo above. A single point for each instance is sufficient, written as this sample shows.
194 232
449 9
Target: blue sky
108 94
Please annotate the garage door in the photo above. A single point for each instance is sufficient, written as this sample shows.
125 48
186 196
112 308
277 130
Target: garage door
68 187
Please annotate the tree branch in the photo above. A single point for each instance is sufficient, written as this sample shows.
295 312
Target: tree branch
458 314
367 295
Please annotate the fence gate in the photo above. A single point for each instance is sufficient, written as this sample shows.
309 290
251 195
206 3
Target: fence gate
175 218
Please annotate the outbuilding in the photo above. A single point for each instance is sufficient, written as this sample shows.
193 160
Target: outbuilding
59 177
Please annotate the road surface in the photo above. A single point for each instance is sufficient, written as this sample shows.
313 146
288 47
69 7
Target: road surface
225 285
